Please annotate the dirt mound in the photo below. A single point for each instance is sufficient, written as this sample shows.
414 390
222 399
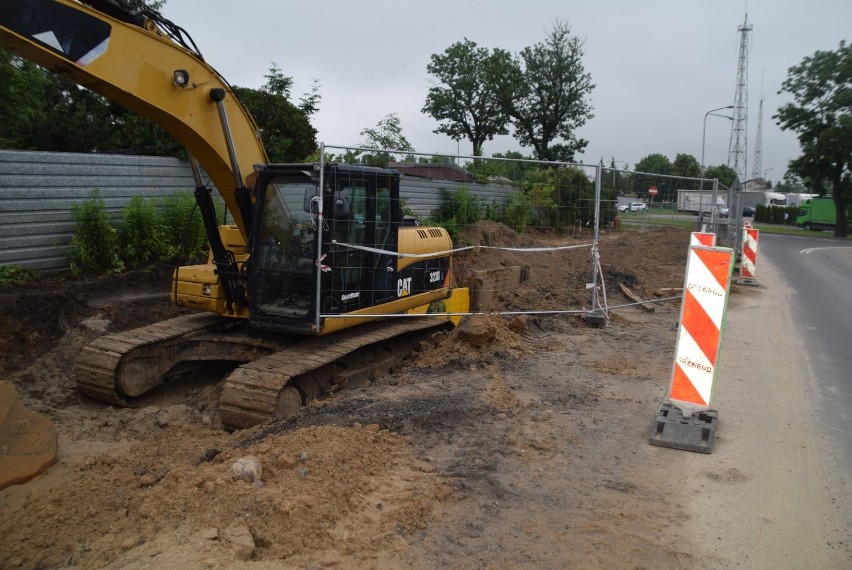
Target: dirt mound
649 262
178 483
42 312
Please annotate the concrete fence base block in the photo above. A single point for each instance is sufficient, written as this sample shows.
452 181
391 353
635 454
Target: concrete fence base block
691 433
596 319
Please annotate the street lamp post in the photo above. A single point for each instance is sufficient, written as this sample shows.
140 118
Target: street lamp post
704 135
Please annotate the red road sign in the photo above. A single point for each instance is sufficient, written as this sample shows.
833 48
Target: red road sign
652 191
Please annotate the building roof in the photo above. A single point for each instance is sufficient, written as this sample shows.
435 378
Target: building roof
439 171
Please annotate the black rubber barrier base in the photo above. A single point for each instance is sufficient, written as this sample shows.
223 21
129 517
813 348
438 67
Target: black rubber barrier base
747 281
694 433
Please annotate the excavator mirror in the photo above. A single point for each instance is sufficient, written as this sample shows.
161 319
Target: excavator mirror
311 200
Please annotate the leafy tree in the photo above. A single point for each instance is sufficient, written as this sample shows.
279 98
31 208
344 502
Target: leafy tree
285 130
309 103
387 134
511 170
519 210
22 86
724 173
547 97
650 165
277 83
465 98
686 165
47 112
655 163
821 116
613 180
135 134
42 111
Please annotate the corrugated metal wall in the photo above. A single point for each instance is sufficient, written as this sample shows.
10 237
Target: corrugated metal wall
424 196
37 190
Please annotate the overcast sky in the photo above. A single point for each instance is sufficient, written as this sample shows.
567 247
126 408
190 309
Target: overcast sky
658 65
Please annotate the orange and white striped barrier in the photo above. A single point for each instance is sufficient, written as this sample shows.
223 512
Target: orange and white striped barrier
702 316
749 256
702 238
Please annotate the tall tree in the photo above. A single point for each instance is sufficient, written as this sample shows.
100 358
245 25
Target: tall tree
286 133
386 135
821 116
465 96
551 101
655 163
46 112
686 165
651 165
42 111
724 173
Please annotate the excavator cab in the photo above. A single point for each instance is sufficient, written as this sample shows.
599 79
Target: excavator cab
340 260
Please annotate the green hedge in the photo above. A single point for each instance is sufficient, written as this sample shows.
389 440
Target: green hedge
776 214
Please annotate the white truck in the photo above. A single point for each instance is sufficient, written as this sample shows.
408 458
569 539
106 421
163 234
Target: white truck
700 201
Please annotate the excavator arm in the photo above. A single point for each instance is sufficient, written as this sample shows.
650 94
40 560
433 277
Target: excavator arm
143 62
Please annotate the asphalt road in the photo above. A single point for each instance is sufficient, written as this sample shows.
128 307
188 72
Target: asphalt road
775 492
818 273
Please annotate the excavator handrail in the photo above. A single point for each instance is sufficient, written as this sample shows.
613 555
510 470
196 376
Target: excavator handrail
143 62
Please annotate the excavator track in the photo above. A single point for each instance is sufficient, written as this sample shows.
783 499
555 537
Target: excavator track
278 374
123 365
266 388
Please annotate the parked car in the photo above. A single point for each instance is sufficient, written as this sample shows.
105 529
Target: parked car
632 207
748 212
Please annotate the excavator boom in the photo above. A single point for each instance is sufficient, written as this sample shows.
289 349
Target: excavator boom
140 64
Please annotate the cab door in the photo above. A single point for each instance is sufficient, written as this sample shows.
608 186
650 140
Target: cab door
361 215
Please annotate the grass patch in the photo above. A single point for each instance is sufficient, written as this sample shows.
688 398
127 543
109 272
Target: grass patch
792 231
12 275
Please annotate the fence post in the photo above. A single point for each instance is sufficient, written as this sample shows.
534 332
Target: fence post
596 316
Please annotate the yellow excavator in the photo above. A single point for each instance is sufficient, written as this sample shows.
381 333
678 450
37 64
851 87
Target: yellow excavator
314 249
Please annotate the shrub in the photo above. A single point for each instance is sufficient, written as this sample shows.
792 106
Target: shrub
519 210
94 247
140 235
184 236
457 209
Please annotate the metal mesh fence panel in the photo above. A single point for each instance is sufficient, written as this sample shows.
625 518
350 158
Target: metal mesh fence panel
507 219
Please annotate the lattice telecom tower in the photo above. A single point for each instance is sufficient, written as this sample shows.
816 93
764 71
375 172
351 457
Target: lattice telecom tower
738 147
757 163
